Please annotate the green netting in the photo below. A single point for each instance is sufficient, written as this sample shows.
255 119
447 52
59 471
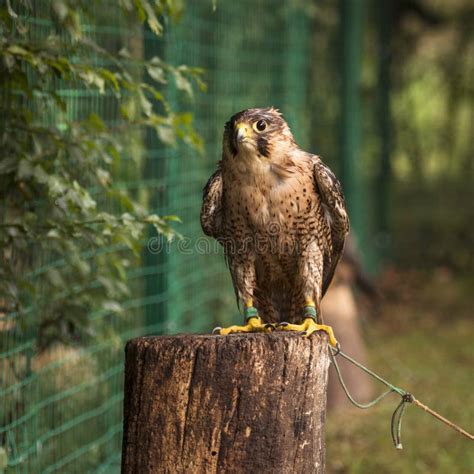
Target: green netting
61 410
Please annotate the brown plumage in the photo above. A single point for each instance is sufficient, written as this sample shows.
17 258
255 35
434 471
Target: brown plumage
279 213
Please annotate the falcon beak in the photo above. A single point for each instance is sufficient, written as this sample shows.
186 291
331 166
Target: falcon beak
240 133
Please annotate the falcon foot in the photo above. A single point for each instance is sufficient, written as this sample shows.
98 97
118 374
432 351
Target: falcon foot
254 324
307 327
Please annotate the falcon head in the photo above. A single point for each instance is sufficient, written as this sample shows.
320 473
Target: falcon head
256 133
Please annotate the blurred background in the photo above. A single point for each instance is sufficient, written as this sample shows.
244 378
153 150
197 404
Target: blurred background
111 119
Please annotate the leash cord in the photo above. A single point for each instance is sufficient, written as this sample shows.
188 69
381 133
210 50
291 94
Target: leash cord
397 416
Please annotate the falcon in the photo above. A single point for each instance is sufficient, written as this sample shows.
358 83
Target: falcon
279 213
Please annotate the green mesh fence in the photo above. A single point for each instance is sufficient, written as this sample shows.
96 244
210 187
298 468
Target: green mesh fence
61 410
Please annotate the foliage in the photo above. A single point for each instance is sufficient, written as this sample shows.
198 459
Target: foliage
436 92
432 145
57 165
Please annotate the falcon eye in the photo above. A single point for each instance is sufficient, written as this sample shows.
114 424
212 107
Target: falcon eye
261 125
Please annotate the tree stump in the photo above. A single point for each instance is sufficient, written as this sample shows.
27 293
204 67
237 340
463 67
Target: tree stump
213 404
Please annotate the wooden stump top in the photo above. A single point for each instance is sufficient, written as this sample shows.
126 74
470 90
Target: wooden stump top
238 403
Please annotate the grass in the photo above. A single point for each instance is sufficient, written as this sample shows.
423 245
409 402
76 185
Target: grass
422 341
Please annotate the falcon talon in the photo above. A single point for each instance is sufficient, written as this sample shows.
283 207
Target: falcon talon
216 330
254 324
309 326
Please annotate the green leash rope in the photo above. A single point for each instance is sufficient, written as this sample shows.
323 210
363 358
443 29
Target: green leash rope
397 416
362 406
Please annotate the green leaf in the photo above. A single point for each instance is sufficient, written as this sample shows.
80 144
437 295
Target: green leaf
140 10
17 50
156 70
182 83
126 110
56 185
13 15
96 123
60 9
8 164
92 78
152 20
172 218
112 307
124 53
145 103
55 277
40 174
53 234
110 77
103 176
166 134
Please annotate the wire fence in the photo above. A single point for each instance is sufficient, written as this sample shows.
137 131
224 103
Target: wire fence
61 409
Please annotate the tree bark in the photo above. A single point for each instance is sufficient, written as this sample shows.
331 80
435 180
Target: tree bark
212 404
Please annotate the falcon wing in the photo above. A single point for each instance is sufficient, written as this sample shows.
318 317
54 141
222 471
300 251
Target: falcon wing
335 213
211 210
